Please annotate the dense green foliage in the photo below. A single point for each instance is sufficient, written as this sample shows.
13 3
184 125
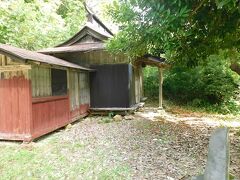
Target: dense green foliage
201 39
184 30
211 85
35 24
151 82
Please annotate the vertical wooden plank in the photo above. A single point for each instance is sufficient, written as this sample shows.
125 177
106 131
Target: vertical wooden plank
4 60
76 89
160 87
1 57
46 84
10 117
22 87
28 115
33 82
50 82
141 82
37 82
79 87
71 90
42 80
16 85
88 88
137 84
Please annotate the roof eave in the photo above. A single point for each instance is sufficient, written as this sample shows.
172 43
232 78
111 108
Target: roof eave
14 55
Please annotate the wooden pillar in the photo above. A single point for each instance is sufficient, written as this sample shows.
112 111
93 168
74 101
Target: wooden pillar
160 87
141 82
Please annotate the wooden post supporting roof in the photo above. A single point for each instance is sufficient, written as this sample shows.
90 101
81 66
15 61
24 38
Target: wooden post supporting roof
160 87
157 62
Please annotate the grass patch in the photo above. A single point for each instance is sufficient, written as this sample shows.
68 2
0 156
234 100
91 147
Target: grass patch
119 172
55 158
105 120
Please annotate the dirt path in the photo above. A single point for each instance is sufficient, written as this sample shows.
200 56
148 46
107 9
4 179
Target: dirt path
154 145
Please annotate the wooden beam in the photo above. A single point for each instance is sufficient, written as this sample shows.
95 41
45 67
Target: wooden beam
11 68
132 108
160 87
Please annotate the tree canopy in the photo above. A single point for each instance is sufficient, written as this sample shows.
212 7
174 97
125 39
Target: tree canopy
35 24
200 38
185 31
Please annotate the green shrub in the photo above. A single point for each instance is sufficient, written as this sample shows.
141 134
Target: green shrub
151 82
212 85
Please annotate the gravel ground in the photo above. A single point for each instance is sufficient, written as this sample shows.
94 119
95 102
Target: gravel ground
154 145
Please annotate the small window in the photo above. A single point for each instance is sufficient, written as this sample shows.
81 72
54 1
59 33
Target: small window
59 82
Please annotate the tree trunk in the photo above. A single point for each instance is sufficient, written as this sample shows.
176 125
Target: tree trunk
235 67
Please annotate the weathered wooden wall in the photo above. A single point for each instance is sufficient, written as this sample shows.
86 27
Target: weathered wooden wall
49 113
41 81
88 39
84 88
138 82
15 108
15 100
79 92
93 58
25 115
100 58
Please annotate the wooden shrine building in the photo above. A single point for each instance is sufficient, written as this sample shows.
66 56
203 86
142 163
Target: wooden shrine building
117 83
43 91
39 93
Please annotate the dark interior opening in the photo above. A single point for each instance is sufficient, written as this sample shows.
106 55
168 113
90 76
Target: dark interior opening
59 82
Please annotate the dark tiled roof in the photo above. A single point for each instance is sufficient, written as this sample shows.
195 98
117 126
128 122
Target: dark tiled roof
24 54
154 58
151 60
75 48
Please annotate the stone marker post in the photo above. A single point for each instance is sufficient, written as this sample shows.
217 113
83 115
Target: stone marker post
218 157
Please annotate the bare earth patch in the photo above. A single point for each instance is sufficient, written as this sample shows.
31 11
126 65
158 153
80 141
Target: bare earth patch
154 145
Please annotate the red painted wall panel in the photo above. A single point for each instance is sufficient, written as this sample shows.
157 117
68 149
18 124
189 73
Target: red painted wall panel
15 108
25 118
50 114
